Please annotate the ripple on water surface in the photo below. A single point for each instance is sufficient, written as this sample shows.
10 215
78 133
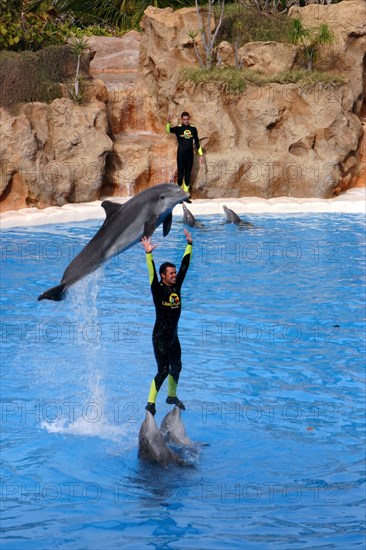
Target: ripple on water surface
273 339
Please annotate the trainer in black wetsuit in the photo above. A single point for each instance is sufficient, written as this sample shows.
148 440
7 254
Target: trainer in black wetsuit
186 134
167 300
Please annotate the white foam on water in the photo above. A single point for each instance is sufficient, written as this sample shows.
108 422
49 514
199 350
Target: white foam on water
93 421
83 427
351 202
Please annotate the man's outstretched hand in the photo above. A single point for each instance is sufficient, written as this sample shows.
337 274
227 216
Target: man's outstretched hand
188 236
148 246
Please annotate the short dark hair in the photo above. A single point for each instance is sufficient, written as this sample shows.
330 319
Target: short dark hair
185 114
162 268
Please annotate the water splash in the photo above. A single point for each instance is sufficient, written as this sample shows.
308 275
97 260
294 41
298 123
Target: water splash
90 417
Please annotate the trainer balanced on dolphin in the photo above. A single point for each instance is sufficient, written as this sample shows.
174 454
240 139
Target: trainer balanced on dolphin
124 226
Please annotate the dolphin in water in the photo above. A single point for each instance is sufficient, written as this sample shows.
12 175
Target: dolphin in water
173 429
152 446
189 219
124 226
232 217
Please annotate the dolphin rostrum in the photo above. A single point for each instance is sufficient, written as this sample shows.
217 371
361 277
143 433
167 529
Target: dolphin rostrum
232 217
173 429
189 219
152 446
124 226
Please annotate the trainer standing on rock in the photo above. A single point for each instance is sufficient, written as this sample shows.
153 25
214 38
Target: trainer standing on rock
167 300
186 134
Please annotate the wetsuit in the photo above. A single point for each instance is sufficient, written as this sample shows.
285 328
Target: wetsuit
165 339
185 136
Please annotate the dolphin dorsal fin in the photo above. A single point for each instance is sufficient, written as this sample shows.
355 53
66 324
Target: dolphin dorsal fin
150 226
167 224
110 207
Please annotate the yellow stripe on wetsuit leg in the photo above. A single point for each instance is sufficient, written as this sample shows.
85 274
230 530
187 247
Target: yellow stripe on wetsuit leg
153 392
172 386
167 127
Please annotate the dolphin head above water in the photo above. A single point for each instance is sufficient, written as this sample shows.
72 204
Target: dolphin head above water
189 219
232 217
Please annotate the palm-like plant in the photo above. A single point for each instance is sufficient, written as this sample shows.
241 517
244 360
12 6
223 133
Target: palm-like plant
311 39
79 46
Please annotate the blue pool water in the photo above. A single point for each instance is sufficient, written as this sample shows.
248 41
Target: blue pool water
273 338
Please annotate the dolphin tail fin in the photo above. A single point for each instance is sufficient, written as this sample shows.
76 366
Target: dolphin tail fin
56 293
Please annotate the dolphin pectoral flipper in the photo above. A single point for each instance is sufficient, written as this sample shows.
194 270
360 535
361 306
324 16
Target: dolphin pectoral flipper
110 207
150 226
167 224
56 293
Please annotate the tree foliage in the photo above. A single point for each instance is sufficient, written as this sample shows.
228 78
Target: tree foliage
121 14
21 29
209 27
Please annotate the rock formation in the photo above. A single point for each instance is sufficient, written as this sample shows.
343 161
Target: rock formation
269 141
272 140
52 154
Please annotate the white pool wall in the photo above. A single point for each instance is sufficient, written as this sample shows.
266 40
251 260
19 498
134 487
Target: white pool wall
351 202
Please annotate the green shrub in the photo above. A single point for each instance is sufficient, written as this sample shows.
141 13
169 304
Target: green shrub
96 30
243 24
29 31
234 81
23 79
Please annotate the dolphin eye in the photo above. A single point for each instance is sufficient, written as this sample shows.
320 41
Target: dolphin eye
162 197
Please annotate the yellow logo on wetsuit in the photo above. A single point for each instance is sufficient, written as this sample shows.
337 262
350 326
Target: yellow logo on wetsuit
174 301
187 134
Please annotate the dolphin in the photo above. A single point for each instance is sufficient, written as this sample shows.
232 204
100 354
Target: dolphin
189 219
232 217
173 429
124 226
152 446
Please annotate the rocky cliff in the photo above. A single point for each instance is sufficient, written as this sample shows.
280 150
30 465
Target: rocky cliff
52 154
269 141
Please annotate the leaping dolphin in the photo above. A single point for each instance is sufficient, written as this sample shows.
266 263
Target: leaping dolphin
124 226
232 217
173 429
189 219
152 446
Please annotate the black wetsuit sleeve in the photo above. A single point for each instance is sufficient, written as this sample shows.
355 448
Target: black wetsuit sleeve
184 265
172 129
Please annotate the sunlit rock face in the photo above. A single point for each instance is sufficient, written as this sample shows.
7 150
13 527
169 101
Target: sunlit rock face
269 141
53 154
